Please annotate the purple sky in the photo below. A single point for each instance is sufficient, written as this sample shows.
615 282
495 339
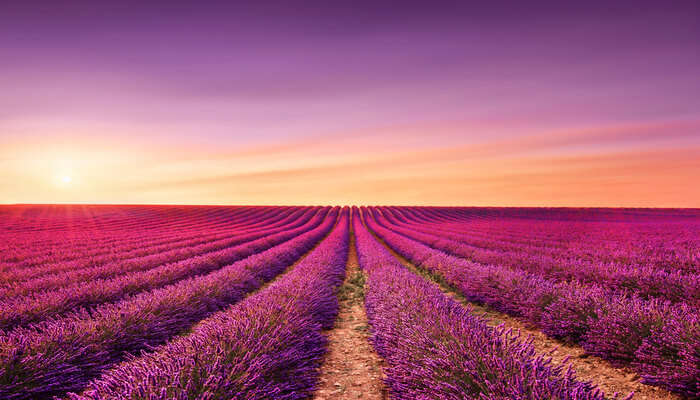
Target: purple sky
375 78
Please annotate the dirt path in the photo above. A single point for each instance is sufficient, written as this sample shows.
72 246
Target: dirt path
351 370
609 379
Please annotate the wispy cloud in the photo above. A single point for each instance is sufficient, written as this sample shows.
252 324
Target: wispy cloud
447 103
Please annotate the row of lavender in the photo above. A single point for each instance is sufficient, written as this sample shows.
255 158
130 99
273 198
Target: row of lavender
661 340
70 257
643 281
80 220
126 241
64 354
268 346
21 251
437 349
75 232
75 291
664 239
131 255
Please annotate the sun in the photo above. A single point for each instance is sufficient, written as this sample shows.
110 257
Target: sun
63 180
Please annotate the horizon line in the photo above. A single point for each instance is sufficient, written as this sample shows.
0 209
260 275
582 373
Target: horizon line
346 205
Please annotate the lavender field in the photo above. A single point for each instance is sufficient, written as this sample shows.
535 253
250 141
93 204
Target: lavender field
242 302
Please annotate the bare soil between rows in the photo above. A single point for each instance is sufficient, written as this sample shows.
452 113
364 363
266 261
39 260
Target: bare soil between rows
351 369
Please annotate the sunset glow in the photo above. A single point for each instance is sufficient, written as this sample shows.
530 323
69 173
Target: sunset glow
324 104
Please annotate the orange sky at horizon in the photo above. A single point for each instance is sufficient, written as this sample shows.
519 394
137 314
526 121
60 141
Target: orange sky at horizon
586 167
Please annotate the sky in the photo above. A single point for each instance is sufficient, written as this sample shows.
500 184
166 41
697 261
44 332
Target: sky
500 103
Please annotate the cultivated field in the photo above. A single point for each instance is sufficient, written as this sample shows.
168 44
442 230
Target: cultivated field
186 302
